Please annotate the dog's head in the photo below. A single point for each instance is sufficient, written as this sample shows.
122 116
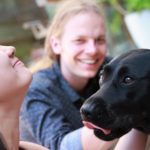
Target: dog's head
123 100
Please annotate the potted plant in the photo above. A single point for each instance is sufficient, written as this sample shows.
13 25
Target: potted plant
137 22
136 14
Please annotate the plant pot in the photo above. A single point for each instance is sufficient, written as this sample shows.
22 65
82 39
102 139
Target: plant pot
138 25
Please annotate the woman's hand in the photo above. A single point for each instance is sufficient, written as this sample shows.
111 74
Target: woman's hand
31 146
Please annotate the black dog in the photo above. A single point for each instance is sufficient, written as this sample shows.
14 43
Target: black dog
123 100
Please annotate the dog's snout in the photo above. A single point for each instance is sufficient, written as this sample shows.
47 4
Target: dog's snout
85 113
91 108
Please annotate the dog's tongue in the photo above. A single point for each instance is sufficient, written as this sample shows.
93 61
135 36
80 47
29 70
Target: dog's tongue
93 126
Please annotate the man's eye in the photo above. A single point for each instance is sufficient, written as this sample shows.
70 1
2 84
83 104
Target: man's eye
101 40
79 41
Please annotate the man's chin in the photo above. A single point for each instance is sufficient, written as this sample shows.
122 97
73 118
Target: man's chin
89 75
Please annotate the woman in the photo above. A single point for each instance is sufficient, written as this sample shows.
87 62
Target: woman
15 79
76 41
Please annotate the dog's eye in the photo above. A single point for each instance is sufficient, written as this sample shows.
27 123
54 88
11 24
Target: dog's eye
128 80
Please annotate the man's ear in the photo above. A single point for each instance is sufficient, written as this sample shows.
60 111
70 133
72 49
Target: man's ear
55 44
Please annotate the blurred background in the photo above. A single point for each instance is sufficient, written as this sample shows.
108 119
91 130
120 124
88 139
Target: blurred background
23 24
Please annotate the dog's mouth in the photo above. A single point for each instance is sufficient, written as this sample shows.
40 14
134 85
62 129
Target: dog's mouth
106 134
105 124
93 126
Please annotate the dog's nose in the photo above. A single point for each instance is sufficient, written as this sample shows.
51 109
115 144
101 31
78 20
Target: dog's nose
85 113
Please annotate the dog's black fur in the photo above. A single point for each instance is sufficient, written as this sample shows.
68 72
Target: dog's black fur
123 100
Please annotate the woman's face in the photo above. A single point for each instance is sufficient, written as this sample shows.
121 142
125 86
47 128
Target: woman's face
82 48
14 76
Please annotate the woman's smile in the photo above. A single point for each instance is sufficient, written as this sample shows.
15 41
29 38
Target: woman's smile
18 63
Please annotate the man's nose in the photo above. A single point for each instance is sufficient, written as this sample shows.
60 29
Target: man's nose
91 47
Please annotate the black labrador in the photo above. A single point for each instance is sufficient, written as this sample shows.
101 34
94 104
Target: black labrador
123 100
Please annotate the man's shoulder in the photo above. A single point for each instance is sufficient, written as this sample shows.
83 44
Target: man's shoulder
43 79
40 87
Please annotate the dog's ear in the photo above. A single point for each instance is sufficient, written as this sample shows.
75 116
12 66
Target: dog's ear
106 61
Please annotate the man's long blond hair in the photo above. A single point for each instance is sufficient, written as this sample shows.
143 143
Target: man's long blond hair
66 10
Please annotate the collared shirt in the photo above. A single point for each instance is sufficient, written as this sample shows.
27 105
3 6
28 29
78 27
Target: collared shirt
51 107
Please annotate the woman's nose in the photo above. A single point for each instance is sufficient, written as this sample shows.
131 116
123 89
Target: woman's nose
9 50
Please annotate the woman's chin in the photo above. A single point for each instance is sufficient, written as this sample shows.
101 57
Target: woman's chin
24 81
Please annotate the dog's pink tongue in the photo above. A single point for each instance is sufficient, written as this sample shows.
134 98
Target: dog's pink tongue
93 126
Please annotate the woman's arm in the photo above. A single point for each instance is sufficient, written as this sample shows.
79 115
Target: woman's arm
31 146
134 140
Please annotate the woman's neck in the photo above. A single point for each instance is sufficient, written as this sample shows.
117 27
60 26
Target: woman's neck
9 125
9 130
